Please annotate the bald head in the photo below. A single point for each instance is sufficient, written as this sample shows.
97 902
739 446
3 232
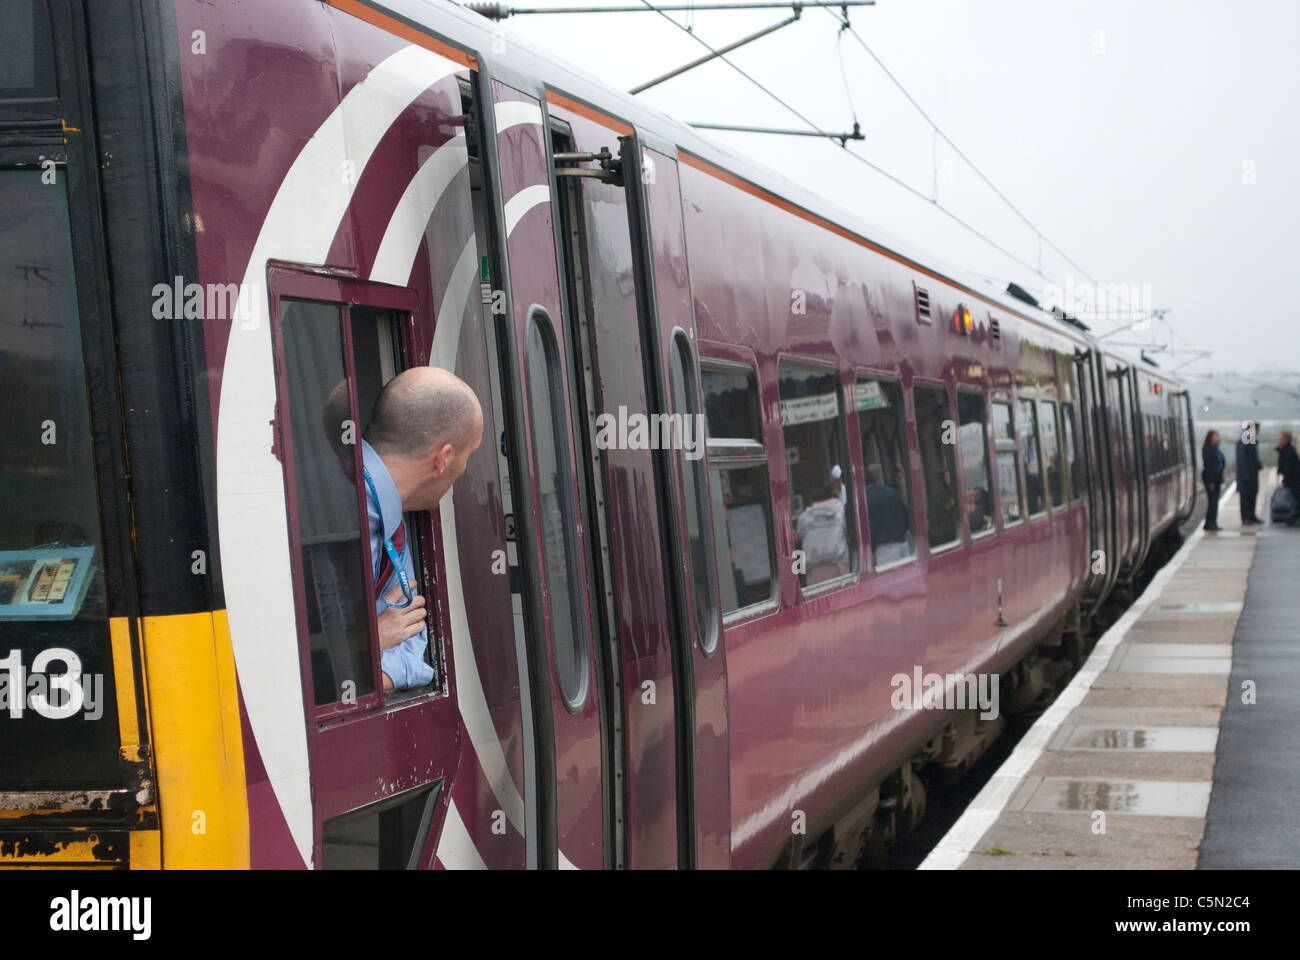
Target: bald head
421 410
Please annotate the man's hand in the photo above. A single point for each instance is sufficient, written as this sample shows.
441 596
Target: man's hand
397 624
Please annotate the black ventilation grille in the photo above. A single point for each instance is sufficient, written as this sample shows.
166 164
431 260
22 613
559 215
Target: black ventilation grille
922 305
995 331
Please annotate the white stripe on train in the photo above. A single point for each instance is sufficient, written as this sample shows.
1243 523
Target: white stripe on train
300 226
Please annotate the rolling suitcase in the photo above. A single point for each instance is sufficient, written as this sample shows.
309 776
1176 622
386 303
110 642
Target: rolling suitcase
1283 506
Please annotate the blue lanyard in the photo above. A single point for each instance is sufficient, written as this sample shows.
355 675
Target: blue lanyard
398 566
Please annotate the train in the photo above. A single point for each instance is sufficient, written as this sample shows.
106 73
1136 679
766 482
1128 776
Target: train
678 648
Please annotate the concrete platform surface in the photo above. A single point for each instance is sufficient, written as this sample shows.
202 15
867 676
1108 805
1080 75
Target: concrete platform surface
1138 765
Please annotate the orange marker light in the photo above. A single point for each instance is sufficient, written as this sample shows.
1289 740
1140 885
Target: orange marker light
961 321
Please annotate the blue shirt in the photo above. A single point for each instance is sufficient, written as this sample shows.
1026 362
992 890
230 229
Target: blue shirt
403 663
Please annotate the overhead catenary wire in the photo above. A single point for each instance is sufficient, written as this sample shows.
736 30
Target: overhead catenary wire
846 26
857 156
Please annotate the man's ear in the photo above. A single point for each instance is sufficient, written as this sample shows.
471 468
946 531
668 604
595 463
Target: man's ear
441 458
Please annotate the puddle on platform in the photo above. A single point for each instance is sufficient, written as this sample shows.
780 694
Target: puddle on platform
1198 607
1178 651
1163 739
1151 798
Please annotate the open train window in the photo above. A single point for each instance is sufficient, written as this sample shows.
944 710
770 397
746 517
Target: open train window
1052 455
882 423
817 467
1004 449
334 358
936 437
1032 455
739 492
974 445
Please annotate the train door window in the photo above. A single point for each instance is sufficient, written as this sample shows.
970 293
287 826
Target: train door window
331 552
558 521
739 491
1052 455
882 422
693 480
1071 452
816 458
1031 453
1004 448
973 441
934 434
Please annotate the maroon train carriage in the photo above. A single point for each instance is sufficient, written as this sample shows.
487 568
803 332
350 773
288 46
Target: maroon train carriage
215 214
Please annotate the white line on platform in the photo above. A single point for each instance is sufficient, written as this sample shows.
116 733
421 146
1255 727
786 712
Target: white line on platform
959 842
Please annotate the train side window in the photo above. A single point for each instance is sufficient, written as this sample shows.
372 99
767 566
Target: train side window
974 444
1071 452
693 479
934 426
331 552
1032 455
739 489
816 455
558 521
1004 447
1052 455
882 423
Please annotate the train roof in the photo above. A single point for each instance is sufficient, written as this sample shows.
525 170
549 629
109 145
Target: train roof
527 61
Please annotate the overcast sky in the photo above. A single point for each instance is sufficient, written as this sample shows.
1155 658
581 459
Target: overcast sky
1155 142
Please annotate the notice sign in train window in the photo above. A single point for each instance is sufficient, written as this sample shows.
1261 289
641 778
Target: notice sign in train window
44 584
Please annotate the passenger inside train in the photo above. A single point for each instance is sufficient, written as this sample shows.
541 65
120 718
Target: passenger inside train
426 423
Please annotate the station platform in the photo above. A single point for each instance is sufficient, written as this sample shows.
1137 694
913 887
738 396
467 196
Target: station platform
1174 746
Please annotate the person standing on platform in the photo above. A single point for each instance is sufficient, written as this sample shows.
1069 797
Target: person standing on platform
1288 463
1248 467
1212 475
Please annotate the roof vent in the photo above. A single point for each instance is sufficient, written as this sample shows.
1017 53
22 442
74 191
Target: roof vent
922 305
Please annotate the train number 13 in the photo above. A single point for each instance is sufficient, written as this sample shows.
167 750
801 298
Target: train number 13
55 698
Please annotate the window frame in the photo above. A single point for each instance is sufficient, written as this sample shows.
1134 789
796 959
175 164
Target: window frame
1031 397
679 342
287 283
1050 398
579 572
725 453
1007 400
957 542
913 466
986 424
851 525
1076 495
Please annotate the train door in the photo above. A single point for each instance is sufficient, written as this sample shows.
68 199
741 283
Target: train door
1142 448
1125 468
1097 477
704 801
568 791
